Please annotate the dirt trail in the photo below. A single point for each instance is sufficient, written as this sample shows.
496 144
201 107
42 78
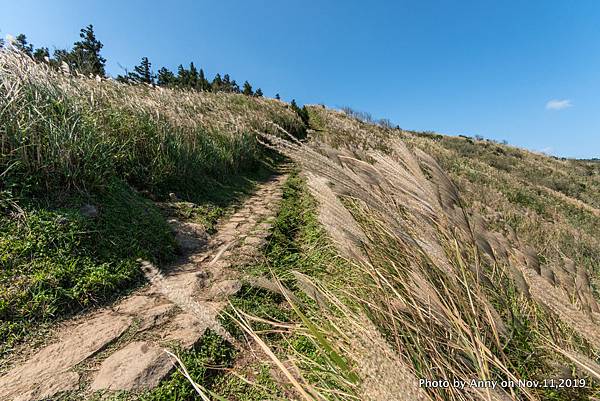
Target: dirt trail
122 347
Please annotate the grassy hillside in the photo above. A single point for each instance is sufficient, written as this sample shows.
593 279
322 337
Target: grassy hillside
81 161
552 204
492 275
410 257
406 276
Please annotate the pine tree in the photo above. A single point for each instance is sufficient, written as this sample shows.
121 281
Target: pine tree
165 77
304 115
182 77
41 54
60 56
247 89
302 112
204 84
21 44
258 93
235 88
142 73
226 83
217 83
85 56
193 76
277 96
124 79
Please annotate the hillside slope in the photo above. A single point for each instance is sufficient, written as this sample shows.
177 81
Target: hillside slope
552 204
399 266
81 164
524 226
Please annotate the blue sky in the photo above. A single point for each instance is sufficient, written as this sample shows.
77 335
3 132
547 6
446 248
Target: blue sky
523 71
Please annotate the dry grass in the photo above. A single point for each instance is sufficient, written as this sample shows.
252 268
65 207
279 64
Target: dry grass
446 293
59 130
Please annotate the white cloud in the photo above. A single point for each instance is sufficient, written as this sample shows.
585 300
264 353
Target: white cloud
556 104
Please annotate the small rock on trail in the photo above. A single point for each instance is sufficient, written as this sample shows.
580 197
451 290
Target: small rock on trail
139 365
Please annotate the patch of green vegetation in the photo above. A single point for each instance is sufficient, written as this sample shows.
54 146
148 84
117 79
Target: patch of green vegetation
54 260
142 147
236 389
573 178
209 204
205 364
526 199
298 241
317 120
206 214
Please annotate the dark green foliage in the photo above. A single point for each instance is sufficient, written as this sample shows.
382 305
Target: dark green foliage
165 77
41 54
20 43
142 73
302 112
59 57
193 76
217 83
230 85
205 364
277 96
54 260
258 93
247 89
85 56
182 76
235 88
226 83
204 85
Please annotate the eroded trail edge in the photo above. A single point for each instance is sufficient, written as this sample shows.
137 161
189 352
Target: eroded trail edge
122 347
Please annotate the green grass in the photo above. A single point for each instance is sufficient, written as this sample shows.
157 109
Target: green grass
79 134
235 389
205 362
54 261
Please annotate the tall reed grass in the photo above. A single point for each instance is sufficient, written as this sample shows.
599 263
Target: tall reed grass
440 294
64 131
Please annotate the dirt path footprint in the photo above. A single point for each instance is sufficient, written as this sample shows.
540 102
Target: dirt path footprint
121 347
